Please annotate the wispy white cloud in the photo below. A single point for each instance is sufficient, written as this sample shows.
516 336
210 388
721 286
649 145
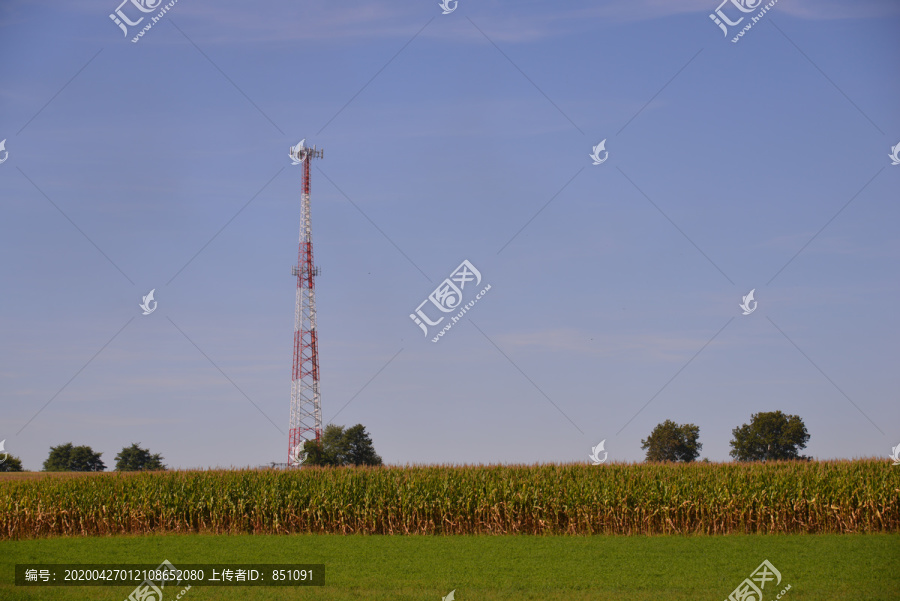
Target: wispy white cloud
840 9
638 346
306 21
639 10
831 244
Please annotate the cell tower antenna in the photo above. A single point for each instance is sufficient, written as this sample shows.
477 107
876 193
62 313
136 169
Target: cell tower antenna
306 402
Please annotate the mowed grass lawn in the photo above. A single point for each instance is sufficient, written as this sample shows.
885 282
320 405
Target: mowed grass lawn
489 568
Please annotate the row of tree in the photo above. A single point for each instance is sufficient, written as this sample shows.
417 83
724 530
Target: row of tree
69 458
338 446
769 436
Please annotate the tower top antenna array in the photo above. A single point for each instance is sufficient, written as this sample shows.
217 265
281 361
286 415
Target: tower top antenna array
301 152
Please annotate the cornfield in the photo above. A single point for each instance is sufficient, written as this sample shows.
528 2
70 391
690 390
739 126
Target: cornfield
628 499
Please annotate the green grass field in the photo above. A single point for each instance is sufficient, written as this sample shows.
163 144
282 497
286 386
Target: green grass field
488 568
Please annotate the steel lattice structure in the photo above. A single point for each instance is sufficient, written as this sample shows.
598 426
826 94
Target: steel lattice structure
306 402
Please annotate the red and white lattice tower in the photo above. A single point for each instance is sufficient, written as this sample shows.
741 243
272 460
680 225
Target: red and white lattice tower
306 403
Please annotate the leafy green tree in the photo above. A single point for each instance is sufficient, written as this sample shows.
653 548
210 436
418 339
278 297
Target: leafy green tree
67 458
314 454
360 450
672 442
769 436
11 464
136 459
341 446
334 444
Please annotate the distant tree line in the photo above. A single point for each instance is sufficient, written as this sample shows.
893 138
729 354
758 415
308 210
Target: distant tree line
69 458
769 436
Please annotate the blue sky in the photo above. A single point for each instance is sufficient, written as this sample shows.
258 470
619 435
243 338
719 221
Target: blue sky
162 164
